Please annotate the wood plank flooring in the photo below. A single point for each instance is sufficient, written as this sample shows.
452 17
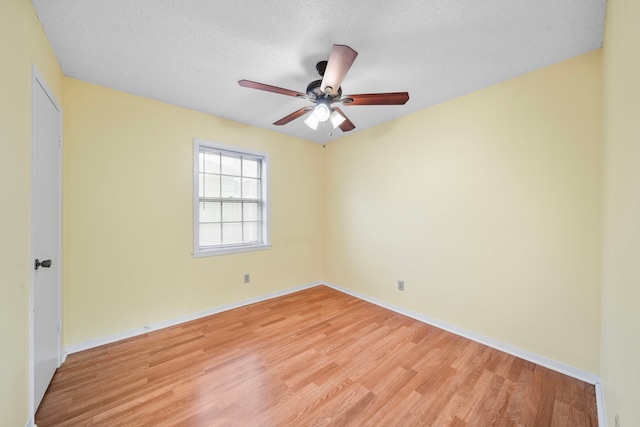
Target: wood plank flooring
317 357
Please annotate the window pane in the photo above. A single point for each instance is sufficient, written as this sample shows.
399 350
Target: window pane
231 187
211 185
231 166
251 232
231 212
210 212
211 163
232 233
250 168
229 206
250 188
250 212
210 234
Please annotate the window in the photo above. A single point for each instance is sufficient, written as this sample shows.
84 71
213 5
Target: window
230 200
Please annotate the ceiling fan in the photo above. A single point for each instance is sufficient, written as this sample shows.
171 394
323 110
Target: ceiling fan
323 93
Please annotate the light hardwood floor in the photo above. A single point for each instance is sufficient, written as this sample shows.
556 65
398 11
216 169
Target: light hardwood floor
313 358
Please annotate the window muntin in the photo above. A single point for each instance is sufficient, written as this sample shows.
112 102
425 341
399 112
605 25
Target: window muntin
230 204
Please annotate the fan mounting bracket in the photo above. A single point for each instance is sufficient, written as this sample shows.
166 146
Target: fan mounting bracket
321 67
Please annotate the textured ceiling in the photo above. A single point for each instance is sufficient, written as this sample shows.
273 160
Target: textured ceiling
191 53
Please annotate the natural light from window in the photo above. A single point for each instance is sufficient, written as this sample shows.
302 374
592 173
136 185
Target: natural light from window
230 203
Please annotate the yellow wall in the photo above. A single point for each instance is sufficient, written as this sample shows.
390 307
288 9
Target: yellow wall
621 266
128 218
487 206
22 43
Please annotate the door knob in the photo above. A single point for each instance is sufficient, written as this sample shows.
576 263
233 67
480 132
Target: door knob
44 264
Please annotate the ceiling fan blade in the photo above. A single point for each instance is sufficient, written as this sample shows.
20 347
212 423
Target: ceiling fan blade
293 116
269 88
347 125
340 61
391 98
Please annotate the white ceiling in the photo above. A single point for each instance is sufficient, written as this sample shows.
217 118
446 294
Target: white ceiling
191 53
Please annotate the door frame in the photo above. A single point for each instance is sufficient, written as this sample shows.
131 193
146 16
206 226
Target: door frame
37 80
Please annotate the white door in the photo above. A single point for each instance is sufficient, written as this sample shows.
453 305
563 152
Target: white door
46 236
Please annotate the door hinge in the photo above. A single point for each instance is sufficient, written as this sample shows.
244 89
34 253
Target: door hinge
59 325
60 141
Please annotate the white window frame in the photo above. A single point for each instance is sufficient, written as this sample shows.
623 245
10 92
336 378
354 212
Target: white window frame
199 251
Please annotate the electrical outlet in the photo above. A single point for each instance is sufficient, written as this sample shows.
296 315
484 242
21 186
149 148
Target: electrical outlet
247 278
401 285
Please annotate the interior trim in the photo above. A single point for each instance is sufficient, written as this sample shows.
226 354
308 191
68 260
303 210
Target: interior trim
108 339
538 359
530 356
602 413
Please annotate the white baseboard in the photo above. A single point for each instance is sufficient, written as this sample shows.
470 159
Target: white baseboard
538 359
108 339
563 368
602 413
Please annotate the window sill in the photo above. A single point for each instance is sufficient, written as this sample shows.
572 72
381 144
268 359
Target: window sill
232 250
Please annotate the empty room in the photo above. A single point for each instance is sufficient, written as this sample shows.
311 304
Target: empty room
320 213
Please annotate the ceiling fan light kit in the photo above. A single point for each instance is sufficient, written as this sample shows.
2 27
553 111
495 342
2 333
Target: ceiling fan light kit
327 91
311 121
322 111
336 119
315 119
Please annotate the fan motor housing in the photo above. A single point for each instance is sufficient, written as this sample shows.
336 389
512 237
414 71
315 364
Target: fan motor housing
314 91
